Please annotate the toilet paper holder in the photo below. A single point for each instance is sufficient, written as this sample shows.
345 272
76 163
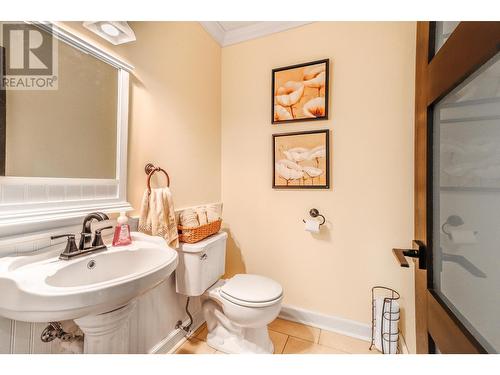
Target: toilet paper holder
453 221
315 213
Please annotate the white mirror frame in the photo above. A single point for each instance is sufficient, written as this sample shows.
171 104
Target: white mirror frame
29 204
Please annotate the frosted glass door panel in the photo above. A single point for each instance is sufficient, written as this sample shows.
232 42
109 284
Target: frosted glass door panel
466 203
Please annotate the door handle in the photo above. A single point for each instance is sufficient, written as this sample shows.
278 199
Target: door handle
402 253
418 251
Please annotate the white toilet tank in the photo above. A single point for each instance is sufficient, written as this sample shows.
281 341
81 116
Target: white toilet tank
200 265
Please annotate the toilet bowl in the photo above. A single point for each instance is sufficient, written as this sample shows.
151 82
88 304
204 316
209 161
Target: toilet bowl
237 310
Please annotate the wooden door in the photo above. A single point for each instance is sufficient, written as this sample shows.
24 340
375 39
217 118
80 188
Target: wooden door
446 64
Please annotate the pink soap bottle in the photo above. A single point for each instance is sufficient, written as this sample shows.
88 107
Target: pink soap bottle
122 231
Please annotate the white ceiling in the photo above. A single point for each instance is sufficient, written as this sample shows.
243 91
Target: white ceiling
232 25
232 32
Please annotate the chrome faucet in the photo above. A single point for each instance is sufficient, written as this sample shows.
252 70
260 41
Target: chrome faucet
86 234
85 246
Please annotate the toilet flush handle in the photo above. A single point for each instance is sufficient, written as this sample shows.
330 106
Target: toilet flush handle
203 256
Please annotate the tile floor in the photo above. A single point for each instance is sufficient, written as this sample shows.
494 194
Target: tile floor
289 338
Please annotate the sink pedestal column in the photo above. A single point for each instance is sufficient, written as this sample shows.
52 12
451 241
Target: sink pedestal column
107 333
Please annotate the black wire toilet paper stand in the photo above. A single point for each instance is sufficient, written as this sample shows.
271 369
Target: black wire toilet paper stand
388 318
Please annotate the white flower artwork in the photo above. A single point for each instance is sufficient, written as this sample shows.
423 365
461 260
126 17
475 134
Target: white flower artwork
301 160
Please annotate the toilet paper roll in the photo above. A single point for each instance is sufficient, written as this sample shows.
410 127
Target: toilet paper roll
312 225
463 237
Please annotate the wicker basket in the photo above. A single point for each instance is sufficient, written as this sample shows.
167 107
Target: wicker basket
196 234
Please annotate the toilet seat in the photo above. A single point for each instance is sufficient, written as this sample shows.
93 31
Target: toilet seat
251 291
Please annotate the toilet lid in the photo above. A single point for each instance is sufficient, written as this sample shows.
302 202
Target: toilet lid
252 288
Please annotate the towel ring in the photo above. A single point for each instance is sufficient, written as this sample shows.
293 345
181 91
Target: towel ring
150 170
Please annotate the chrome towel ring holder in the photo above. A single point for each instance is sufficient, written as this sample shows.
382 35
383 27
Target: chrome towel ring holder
150 170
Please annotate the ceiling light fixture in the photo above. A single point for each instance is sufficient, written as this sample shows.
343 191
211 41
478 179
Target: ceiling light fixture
110 29
115 32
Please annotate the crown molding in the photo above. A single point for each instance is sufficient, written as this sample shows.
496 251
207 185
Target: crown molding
215 30
241 34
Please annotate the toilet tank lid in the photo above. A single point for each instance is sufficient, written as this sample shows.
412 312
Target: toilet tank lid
198 247
252 288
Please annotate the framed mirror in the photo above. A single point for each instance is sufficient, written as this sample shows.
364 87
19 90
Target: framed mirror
63 140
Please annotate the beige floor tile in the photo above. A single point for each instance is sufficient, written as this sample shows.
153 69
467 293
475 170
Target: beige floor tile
202 332
195 346
289 338
279 341
299 346
345 343
295 329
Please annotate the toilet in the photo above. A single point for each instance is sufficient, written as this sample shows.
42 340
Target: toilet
237 310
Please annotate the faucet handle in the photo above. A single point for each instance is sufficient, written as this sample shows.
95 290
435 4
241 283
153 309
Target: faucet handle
98 237
70 245
62 235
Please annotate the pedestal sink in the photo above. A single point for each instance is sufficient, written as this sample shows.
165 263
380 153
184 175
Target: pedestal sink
97 290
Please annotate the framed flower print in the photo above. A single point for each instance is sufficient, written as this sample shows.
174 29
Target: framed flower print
301 160
300 92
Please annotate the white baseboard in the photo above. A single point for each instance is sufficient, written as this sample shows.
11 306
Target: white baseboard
343 326
332 323
329 322
178 336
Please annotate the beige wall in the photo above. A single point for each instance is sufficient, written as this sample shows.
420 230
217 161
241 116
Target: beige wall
175 106
370 207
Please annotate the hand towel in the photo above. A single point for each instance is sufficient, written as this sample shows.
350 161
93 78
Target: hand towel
188 218
157 216
213 212
202 215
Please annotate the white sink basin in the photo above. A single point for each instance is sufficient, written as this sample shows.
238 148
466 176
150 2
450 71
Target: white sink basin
43 288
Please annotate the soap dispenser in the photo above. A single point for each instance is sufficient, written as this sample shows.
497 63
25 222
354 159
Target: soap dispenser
122 231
